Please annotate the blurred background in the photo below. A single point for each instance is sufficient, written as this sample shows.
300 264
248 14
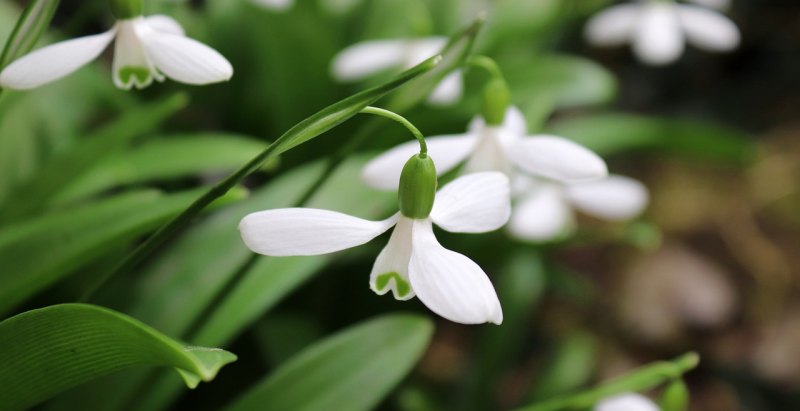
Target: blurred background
711 266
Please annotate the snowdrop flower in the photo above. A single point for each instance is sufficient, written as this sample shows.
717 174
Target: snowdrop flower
658 29
626 402
503 148
413 262
545 208
364 59
145 48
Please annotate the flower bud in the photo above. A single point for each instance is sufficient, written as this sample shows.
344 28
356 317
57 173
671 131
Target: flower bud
417 187
675 397
496 99
127 9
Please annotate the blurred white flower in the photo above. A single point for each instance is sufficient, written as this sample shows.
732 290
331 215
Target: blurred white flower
364 59
658 29
276 5
413 262
545 208
146 48
494 148
626 402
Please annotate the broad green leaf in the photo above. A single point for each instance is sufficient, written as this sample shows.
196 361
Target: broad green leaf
352 370
35 254
30 26
568 81
569 368
610 133
51 349
33 196
164 158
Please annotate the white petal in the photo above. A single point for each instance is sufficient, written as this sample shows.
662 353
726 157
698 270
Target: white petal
626 402
164 24
490 152
449 283
131 66
708 29
557 158
390 271
53 62
183 59
307 231
714 4
474 203
541 215
514 122
659 38
612 198
383 172
419 50
613 26
363 59
448 91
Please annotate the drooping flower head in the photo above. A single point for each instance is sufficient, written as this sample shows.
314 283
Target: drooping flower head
364 59
145 49
658 29
413 263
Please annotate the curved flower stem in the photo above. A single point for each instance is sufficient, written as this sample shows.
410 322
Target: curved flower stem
423 148
641 379
487 64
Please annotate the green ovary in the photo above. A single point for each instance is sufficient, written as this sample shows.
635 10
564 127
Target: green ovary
401 286
141 74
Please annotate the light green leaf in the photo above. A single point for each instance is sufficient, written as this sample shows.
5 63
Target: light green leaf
51 349
37 253
30 26
33 196
352 370
610 133
568 368
164 158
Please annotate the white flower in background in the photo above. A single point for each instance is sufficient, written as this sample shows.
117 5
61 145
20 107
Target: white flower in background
276 5
545 208
497 148
413 262
658 29
146 48
364 59
626 402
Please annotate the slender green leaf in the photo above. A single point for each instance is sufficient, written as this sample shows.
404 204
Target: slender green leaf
30 26
352 370
33 195
51 349
610 133
35 254
568 368
164 158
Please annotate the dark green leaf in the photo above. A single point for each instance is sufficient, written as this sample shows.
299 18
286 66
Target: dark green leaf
30 26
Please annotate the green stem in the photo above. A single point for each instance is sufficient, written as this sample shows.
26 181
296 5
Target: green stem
642 379
423 148
487 64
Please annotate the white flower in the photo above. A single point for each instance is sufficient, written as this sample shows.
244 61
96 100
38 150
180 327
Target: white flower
545 208
413 262
658 29
497 148
626 402
146 48
364 59
276 5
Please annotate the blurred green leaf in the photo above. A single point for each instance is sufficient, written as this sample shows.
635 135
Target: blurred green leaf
35 194
675 397
610 133
164 158
30 26
351 370
570 367
35 254
51 349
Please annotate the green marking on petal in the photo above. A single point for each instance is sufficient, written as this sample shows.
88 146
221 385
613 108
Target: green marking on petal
401 286
140 74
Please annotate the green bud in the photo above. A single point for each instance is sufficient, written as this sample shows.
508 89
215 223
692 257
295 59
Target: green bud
496 99
417 187
675 397
127 9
